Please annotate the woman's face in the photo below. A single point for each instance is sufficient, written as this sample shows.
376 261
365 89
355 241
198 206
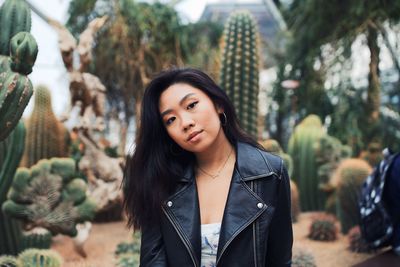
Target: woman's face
190 117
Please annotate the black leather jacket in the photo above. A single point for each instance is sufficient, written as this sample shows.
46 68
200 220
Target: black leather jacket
256 229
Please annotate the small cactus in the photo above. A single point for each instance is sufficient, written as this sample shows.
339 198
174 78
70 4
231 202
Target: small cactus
8 261
357 243
128 254
303 259
47 195
45 137
323 228
40 258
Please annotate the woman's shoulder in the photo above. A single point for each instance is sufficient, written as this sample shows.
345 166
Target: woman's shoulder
258 159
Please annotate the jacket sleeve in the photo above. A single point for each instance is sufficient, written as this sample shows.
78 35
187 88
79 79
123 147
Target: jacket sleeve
152 251
280 240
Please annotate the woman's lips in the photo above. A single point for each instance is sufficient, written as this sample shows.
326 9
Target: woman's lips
194 136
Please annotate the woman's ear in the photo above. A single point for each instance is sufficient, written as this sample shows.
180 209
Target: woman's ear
219 108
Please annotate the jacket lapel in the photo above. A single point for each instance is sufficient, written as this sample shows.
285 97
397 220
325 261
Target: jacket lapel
242 208
183 211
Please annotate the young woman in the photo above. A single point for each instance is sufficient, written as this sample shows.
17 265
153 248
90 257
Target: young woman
202 191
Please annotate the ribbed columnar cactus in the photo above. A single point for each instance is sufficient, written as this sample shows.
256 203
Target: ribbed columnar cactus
45 134
240 67
301 148
15 17
18 51
49 196
11 150
347 180
39 258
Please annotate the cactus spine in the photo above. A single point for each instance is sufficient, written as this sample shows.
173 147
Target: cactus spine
18 51
301 149
240 67
11 150
45 134
348 179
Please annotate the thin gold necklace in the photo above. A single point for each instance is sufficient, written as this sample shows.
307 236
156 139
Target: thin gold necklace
213 176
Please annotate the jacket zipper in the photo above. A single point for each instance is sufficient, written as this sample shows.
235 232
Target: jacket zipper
185 242
254 232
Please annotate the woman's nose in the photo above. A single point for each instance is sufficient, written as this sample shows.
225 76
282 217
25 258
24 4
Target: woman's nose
187 122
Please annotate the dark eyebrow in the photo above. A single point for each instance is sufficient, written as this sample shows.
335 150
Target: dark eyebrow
180 103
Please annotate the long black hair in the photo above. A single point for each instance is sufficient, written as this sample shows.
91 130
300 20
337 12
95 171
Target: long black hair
152 171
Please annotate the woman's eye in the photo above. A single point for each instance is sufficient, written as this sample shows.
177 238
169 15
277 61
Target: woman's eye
192 105
169 121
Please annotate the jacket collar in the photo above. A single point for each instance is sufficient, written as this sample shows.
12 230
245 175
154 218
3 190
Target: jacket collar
243 206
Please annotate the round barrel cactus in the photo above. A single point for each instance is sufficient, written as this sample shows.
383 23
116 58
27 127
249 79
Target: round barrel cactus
40 258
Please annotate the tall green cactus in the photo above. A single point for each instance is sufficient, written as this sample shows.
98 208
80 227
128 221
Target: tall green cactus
11 150
348 179
18 51
302 145
240 67
45 134
49 196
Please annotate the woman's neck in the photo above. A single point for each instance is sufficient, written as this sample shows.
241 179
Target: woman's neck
216 154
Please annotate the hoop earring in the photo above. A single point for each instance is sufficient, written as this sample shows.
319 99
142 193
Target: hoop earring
225 120
171 149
